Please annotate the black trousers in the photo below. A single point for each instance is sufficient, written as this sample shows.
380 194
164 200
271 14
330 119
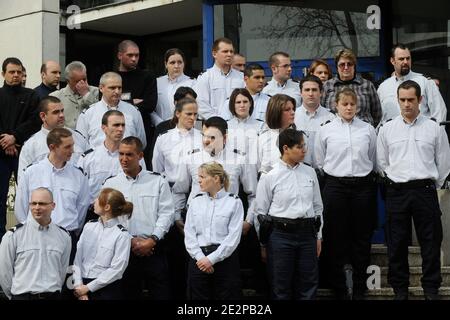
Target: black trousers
112 291
421 204
350 218
150 272
177 258
38 296
223 284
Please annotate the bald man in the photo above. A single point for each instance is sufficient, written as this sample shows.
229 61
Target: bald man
50 75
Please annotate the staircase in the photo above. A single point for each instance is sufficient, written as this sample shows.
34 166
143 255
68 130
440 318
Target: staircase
379 258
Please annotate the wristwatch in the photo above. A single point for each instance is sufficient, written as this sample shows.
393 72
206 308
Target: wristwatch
155 238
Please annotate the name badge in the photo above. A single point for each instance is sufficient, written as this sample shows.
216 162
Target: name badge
126 96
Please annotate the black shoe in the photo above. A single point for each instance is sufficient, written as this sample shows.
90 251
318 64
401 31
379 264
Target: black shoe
432 296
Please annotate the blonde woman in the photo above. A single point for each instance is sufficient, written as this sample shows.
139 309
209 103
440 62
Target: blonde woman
212 233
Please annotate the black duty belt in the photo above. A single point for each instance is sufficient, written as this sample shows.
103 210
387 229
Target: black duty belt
209 249
293 225
410 184
39 296
370 178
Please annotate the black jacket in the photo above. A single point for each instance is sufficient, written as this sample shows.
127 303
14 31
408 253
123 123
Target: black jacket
19 114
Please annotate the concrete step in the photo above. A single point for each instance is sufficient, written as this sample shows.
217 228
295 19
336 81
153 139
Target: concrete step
379 256
415 293
415 273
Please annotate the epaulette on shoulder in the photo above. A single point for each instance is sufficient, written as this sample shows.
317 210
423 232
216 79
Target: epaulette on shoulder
92 221
194 151
64 229
259 120
233 195
382 124
326 122
434 119
294 80
28 166
81 169
199 195
155 173
242 153
79 133
307 164
107 179
163 133
122 228
263 131
17 226
87 152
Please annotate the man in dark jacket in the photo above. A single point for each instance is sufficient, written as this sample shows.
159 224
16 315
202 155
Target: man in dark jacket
139 89
18 121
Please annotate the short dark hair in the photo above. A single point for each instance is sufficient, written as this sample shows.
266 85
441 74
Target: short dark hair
248 71
218 41
275 110
408 84
398 46
133 141
311 78
273 59
11 60
217 122
234 94
289 137
43 105
182 92
123 45
55 136
110 113
173 51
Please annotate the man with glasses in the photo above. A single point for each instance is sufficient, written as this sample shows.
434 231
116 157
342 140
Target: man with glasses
432 104
369 107
280 64
31 250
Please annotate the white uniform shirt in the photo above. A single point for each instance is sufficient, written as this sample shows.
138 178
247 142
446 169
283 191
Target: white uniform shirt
290 88
243 135
234 163
260 101
432 104
36 149
414 151
99 164
69 186
346 149
90 122
213 221
289 192
213 87
153 211
34 259
166 90
268 152
102 254
74 104
310 124
172 146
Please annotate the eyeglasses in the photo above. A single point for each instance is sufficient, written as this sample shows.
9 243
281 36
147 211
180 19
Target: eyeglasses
342 65
37 203
287 65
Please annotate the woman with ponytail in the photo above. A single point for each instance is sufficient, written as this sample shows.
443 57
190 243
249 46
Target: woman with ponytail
103 249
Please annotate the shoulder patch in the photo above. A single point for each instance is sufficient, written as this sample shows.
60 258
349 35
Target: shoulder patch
326 122
434 119
17 226
63 229
87 152
233 196
199 195
242 153
194 151
121 227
